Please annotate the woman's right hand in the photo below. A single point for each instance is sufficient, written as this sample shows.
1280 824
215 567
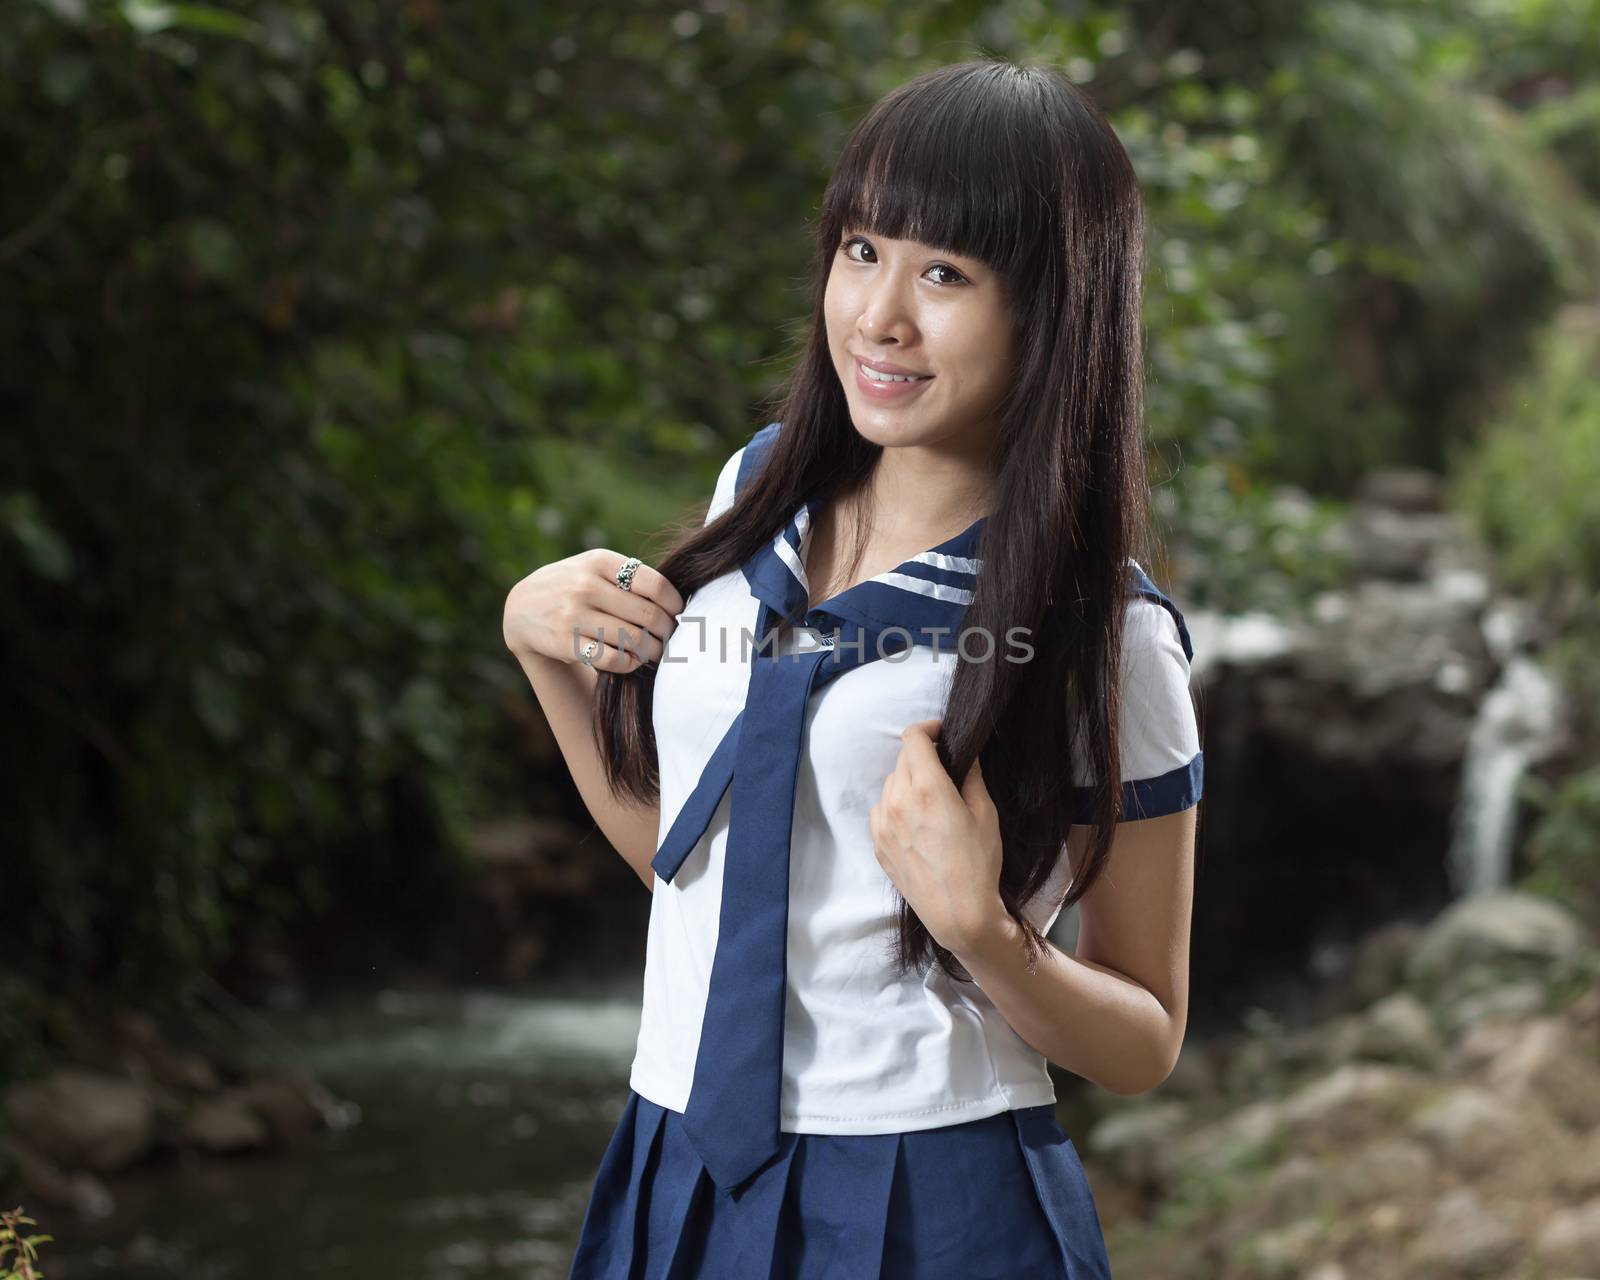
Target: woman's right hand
560 606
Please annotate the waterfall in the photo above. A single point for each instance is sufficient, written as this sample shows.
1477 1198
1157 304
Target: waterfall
1518 723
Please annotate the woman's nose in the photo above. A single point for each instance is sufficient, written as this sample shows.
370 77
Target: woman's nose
884 316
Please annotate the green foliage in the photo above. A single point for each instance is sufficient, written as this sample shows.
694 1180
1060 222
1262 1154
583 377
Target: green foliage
1253 547
326 323
19 1253
1456 232
1530 485
1567 125
1563 850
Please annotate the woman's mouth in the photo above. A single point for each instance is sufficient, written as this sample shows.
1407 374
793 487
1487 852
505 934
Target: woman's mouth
888 386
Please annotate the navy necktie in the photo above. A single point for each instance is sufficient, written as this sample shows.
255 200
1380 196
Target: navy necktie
733 1113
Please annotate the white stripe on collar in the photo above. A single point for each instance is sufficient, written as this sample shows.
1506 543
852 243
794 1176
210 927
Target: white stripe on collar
935 590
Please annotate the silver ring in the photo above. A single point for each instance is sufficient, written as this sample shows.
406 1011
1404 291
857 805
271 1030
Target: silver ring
624 578
589 650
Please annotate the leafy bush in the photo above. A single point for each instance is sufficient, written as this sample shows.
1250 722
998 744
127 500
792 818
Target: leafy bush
1530 484
1563 850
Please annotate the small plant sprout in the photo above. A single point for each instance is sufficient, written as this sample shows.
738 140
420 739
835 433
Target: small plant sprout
19 1253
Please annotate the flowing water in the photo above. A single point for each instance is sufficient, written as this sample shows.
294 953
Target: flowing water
1518 723
482 1118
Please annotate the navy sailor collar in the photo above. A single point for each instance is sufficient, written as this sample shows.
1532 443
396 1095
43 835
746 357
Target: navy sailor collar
927 594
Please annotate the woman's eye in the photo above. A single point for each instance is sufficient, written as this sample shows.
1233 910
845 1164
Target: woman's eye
850 242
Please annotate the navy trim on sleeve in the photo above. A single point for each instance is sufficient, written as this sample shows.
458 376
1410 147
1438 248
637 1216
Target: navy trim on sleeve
1171 792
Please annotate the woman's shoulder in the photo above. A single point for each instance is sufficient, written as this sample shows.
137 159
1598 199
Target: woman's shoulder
722 495
1153 617
737 469
1160 732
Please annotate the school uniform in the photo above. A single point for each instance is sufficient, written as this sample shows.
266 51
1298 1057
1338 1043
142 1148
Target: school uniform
797 1107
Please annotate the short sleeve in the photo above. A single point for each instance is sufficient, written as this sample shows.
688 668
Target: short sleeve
1161 757
722 495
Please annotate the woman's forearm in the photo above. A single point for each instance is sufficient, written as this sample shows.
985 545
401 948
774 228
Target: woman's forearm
566 693
1084 1017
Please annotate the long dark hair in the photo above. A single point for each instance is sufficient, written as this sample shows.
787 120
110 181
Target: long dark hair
1015 166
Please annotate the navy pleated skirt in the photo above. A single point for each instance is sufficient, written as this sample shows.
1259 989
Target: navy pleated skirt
989 1199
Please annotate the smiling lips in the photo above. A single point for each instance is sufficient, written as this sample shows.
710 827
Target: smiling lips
883 366
884 381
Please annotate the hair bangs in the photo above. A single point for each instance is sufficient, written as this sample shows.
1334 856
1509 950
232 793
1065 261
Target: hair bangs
957 161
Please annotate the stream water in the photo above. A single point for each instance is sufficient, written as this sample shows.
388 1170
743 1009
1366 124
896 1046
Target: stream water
482 1117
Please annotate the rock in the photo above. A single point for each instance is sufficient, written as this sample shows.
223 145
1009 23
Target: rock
328 1111
1580 1178
1584 1012
1196 1075
1136 1142
1253 1066
1342 1038
1399 1028
1384 1168
225 1123
1549 1062
1379 964
82 1192
189 1072
1468 1126
1286 1251
82 1119
1483 1041
1514 1000
1385 1219
285 1105
1351 1102
1242 1138
130 1044
1405 489
1380 542
1296 1189
1375 665
1462 1238
1571 1238
1515 934
1320 1045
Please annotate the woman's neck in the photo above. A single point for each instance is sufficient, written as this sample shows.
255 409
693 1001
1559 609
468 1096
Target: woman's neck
927 495
903 508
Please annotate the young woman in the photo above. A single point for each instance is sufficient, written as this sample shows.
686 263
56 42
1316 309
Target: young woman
905 695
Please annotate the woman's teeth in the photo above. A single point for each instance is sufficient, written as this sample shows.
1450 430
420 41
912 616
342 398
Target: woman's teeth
874 376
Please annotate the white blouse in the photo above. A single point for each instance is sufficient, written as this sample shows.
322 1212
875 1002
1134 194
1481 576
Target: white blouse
866 1049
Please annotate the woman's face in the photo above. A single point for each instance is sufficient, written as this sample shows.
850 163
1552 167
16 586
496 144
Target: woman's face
937 315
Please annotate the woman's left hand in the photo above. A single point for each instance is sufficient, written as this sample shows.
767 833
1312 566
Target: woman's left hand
940 845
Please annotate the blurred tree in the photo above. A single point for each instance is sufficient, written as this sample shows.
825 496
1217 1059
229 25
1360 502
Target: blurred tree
326 322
